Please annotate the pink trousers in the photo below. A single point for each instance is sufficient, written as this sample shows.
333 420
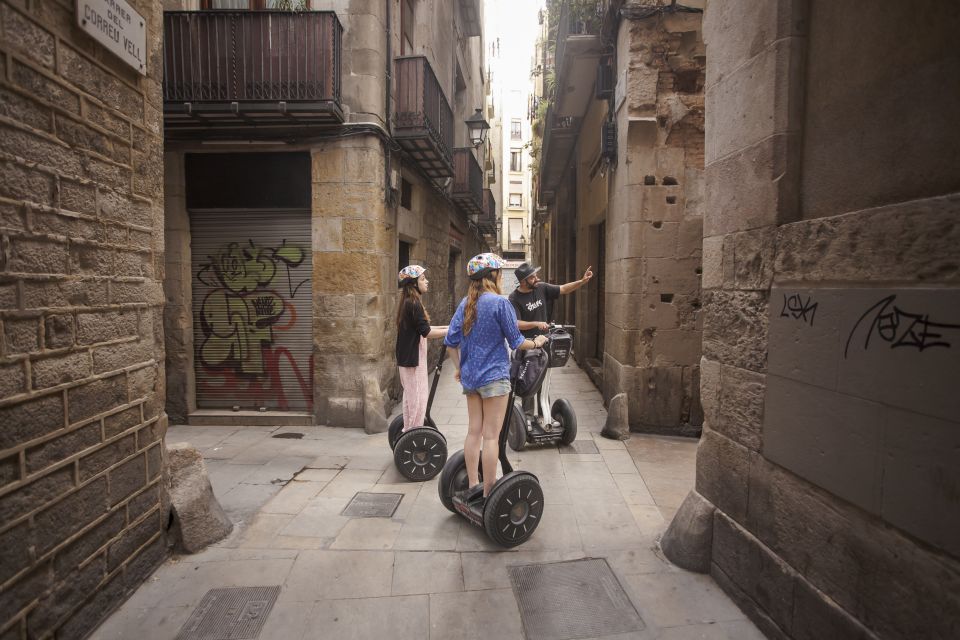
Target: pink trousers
415 390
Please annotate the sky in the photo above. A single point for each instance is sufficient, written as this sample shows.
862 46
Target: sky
514 22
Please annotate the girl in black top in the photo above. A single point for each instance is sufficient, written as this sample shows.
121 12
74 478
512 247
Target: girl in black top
413 330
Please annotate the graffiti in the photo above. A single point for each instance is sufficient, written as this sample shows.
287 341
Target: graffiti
899 328
250 297
797 308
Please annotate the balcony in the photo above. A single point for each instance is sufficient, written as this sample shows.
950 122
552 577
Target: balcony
487 220
423 121
467 189
559 140
250 72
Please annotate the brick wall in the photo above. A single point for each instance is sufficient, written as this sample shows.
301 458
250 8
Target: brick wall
80 349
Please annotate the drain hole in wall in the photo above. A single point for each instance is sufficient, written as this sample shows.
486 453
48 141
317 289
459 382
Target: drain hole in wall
670 181
671 199
648 180
698 271
657 224
666 297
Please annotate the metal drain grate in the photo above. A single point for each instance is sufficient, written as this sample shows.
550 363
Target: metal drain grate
289 435
575 599
373 505
230 614
580 446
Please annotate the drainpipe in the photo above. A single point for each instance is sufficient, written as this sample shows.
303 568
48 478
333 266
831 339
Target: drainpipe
386 101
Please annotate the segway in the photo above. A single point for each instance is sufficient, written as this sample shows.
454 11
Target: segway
420 452
535 420
512 511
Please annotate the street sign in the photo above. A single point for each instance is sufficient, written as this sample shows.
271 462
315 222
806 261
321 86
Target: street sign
118 27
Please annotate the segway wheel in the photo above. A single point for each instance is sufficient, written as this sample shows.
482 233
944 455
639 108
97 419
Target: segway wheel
513 510
517 437
420 454
395 430
453 479
563 413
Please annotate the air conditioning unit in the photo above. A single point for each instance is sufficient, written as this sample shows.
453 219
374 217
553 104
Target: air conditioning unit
608 140
605 82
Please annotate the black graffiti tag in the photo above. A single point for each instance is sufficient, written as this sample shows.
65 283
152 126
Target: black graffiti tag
797 308
900 328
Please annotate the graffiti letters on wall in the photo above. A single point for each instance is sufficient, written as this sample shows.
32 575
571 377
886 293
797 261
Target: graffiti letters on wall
246 311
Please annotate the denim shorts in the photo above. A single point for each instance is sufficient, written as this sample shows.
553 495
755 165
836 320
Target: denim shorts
490 390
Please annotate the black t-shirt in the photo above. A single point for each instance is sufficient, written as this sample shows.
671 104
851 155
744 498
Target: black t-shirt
535 306
411 329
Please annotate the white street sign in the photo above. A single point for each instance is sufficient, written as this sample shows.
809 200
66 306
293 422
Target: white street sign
115 25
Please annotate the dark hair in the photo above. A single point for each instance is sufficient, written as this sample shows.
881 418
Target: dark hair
408 304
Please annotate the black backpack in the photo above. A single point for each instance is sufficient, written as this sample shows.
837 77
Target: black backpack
527 371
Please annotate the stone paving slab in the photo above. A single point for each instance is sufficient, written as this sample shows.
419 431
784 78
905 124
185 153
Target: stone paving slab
424 572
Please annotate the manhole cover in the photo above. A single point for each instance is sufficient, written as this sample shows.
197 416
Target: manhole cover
373 505
230 614
576 599
290 435
580 446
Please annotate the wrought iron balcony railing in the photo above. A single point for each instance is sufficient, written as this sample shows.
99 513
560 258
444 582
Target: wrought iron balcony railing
487 220
467 189
235 69
423 121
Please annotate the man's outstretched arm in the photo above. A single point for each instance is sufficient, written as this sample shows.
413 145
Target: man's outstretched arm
570 287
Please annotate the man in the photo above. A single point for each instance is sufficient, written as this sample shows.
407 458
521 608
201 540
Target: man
533 299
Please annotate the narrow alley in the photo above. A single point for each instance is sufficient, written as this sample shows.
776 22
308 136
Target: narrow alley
424 572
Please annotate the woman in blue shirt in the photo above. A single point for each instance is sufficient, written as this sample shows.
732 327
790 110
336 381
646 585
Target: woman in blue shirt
484 323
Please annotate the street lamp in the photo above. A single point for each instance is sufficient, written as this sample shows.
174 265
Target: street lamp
478 128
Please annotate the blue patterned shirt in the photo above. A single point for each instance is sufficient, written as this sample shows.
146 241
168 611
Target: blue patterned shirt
483 353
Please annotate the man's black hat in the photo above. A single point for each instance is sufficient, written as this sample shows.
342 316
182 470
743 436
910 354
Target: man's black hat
524 271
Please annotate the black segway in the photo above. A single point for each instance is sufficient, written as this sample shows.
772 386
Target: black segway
512 511
535 420
420 452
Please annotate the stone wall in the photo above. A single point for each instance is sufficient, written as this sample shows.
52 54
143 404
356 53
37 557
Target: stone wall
654 225
832 466
81 383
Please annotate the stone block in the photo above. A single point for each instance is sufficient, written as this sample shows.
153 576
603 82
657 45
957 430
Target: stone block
712 262
25 590
340 411
145 501
355 336
104 326
23 183
363 165
199 520
676 347
62 446
84 620
119 356
735 328
753 255
96 397
690 238
617 424
119 422
101 459
33 114
364 235
362 201
38 256
346 273
374 413
815 616
30 419
45 88
83 73
90 542
69 515
65 595
723 472
752 187
143 383
328 165
59 331
21 335
15 546
741 402
13 380
760 574
668 275
660 241
132 539
336 306
55 370
127 479
688 540
327 233
124 208
691 389
658 399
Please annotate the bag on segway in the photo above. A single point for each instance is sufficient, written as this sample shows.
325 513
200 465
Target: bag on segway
528 370
559 346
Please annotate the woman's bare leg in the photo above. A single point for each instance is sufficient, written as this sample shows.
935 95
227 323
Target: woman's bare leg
471 446
493 411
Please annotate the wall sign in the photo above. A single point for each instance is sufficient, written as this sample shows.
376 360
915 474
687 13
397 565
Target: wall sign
118 27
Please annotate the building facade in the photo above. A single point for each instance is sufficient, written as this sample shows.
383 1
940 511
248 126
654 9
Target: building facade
310 155
619 187
81 347
828 467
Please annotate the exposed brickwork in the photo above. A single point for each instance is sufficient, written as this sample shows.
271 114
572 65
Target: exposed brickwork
80 522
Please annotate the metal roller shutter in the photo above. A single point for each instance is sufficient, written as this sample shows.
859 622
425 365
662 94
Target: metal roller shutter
252 309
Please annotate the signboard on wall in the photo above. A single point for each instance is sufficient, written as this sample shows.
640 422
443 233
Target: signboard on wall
118 27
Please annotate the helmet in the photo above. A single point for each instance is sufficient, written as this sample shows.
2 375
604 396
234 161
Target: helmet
481 265
411 272
525 270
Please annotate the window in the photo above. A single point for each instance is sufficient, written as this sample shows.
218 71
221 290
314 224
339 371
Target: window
515 234
406 28
516 164
403 259
406 194
516 200
515 131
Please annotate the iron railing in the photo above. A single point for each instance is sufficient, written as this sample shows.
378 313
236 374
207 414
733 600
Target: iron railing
487 220
251 56
467 188
422 110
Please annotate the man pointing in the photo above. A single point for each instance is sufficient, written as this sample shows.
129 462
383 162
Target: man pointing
533 299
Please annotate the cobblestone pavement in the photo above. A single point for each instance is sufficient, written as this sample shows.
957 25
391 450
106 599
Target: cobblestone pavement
426 573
